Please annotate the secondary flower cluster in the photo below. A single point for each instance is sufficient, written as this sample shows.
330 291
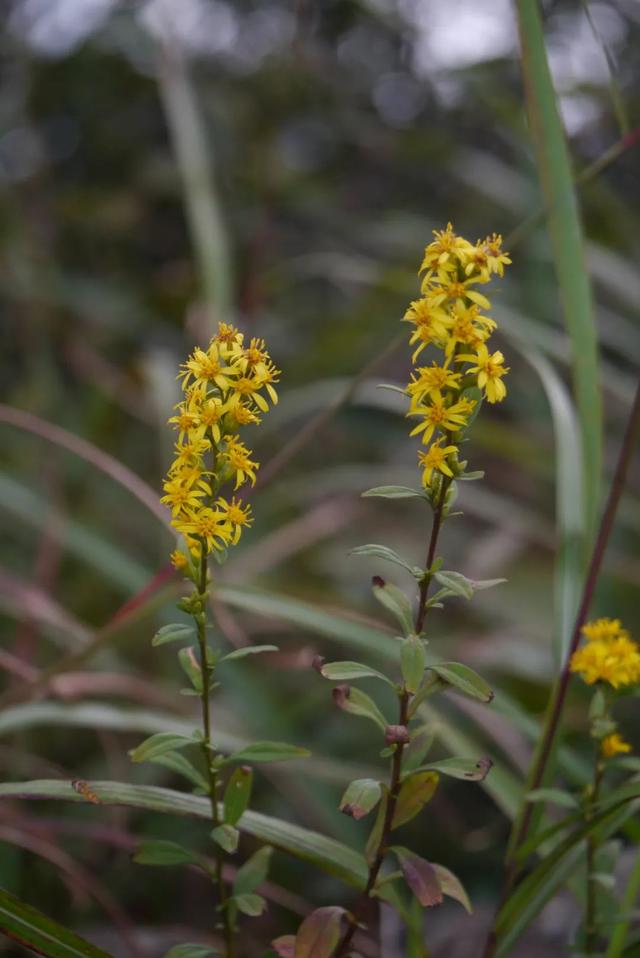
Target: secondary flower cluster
450 316
225 388
608 655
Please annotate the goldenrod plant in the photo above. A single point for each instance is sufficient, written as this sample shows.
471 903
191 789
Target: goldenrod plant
226 387
451 320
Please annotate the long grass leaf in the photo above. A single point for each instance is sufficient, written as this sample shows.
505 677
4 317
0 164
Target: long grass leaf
41 934
567 241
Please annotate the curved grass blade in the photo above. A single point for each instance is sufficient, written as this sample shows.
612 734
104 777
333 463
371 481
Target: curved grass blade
565 231
39 933
318 850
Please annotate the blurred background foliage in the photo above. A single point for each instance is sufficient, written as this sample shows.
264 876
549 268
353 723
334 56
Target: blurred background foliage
169 163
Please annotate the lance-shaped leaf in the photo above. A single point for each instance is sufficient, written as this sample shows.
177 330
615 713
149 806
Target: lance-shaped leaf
191 667
161 852
413 660
227 837
159 744
250 904
39 933
555 796
190 951
319 933
452 886
237 794
389 555
344 671
422 739
420 876
360 797
260 752
455 583
373 841
176 762
176 632
248 650
253 873
468 769
394 492
395 601
415 792
357 702
464 680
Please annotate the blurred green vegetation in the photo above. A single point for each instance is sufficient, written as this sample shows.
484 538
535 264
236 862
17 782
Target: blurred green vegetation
165 165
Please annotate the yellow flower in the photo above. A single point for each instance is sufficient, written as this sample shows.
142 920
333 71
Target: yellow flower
431 381
208 414
207 525
487 257
184 495
237 455
444 249
613 744
435 458
450 290
186 422
236 515
603 630
431 325
207 369
437 415
490 369
616 661
179 560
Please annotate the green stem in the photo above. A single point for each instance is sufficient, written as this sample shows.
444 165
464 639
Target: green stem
591 924
208 751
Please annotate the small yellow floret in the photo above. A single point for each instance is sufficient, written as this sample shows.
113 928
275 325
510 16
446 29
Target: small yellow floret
615 661
614 744
436 458
604 630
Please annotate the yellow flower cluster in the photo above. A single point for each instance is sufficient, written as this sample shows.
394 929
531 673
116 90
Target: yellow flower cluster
449 316
608 655
614 744
225 388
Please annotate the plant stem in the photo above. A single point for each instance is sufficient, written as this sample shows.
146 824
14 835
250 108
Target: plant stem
618 939
208 748
403 718
590 919
546 750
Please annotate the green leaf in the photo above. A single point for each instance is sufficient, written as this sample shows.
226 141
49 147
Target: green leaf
191 667
177 632
384 552
356 702
343 671
468 769
422 739
373 840
159 744
38 933
553 795
176 762
416 790
319 933
394 492
237 794
360 797
556 177
431 684
161 852
452 886
464 680
455 582
420 876
250 904
227 837
413 660
318 850
248 650
395 601
267 752
190 951
253 872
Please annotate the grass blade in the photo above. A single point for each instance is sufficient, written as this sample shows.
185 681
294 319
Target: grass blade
318 850
41 934
567 242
